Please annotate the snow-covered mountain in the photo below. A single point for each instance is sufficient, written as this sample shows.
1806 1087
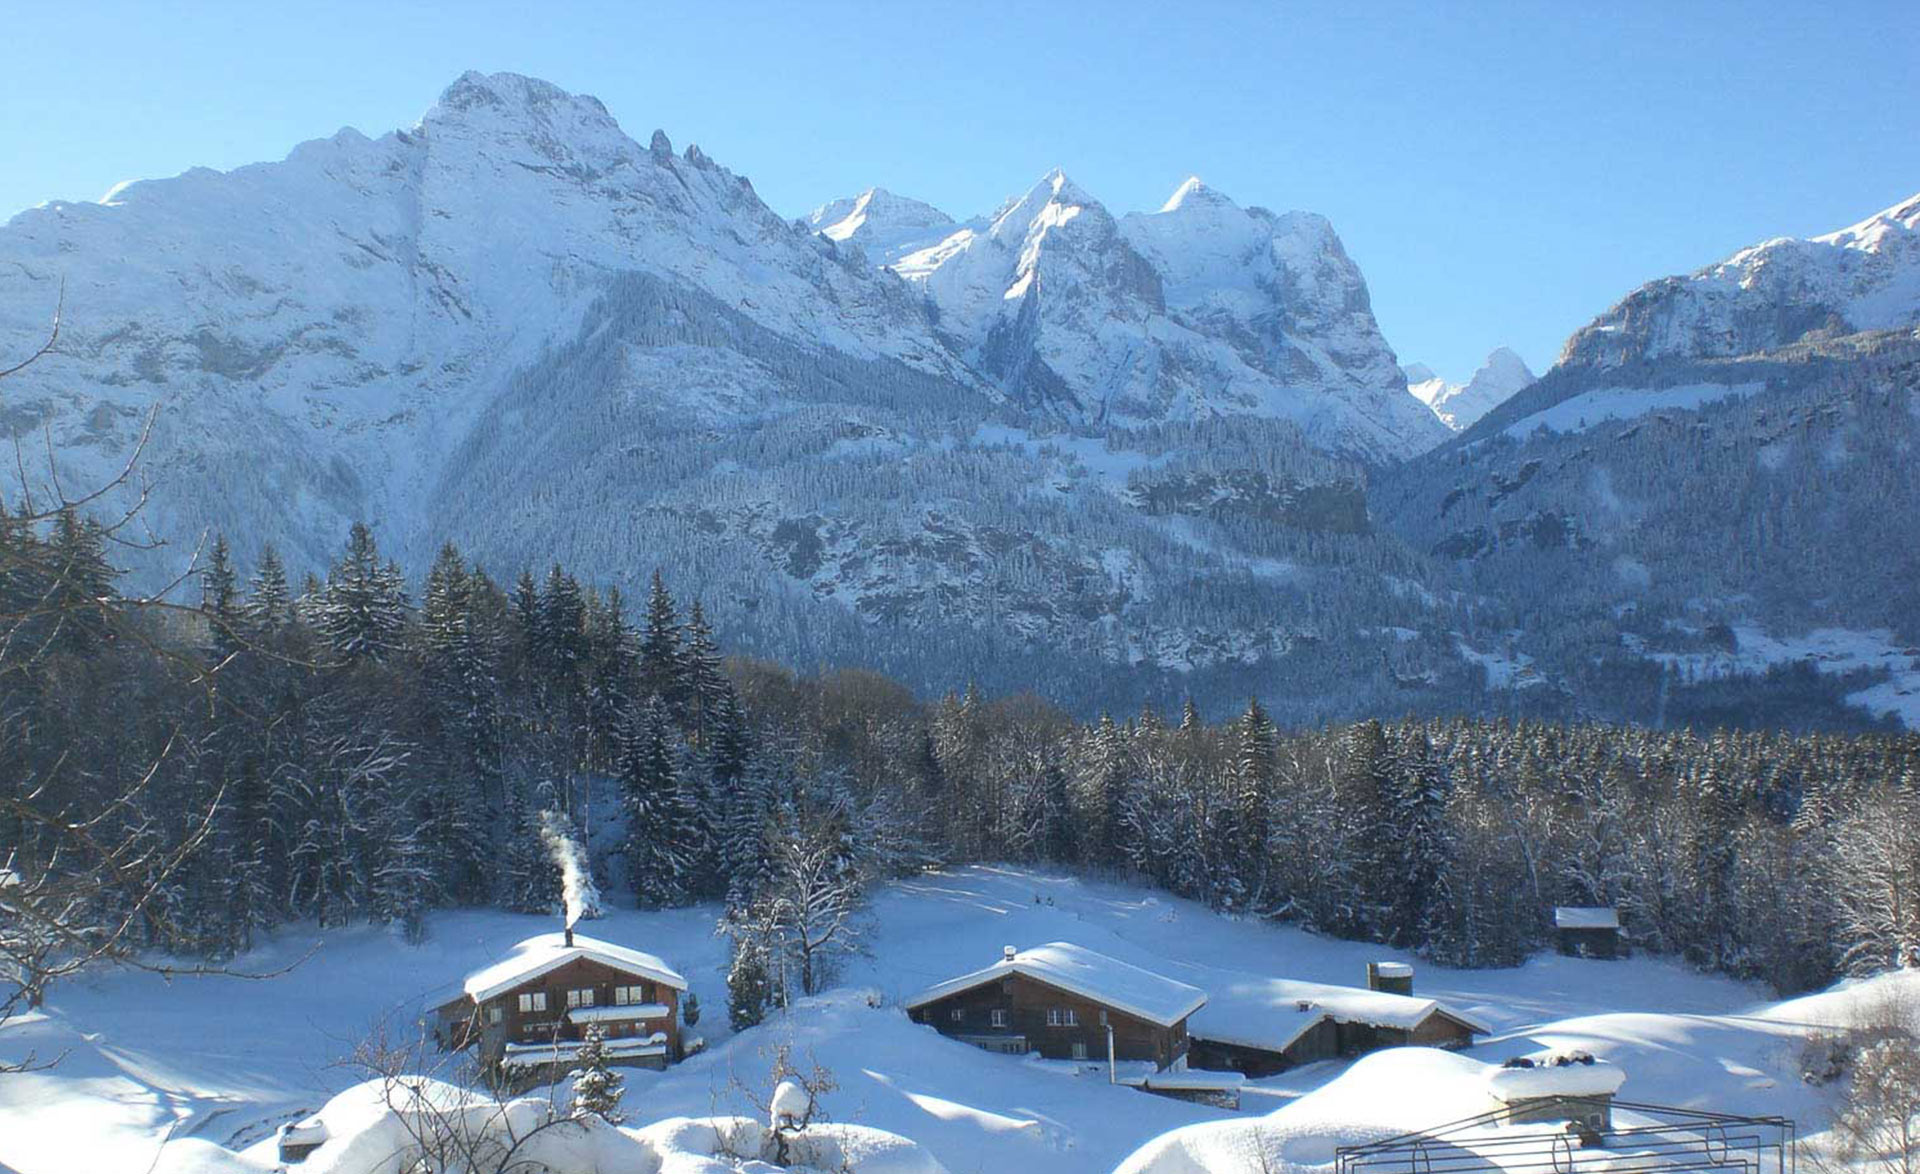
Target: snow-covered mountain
1458 405
1864 277
885 225
317 332
1199 310
516 327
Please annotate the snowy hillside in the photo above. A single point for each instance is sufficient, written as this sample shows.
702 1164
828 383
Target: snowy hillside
1459 405
198 1064
1863 277
1724 453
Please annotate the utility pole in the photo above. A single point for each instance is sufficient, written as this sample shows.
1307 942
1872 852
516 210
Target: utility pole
1113 1073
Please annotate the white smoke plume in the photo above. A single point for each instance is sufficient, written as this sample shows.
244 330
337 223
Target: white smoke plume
577 889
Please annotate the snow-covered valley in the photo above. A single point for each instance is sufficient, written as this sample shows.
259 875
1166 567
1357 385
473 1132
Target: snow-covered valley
151 1073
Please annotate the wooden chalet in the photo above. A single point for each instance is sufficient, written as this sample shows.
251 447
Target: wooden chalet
527 1014
1589 931
1270 1025
1065 1002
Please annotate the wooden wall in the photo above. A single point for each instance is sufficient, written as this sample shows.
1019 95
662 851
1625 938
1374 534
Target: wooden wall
1027 1002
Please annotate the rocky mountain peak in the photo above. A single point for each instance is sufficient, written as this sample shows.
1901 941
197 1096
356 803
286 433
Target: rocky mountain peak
1865 277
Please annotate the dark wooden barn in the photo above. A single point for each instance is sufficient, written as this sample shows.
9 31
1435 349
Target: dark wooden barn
1066 1003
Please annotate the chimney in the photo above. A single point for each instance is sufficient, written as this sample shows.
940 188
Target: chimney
569 932
1007 953
1394 978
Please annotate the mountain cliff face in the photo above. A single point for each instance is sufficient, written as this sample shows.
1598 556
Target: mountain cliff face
1199 310
1458 405
313 331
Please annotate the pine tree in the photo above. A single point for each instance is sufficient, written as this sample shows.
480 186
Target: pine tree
663 667
659 848
596 1086
81 593
220 600
750 986
1104 783
269 605
363 609
706 679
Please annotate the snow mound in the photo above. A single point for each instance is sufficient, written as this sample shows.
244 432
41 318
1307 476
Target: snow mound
379 1127
1382 1095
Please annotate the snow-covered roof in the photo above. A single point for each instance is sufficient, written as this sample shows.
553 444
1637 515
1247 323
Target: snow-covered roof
1586 917
1190 1080
1556 1074
1273 1013
549 951
1090 974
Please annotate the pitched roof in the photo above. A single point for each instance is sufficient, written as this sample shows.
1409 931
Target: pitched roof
1586 917
1090 974
549 951
1272 1013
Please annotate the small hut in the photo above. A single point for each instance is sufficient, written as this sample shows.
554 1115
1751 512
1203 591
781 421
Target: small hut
1589 931
1569 1086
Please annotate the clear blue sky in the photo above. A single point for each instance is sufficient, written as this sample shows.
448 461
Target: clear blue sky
1501 172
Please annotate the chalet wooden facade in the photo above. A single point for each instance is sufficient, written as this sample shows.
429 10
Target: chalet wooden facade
1065 1003
527 1015
1282 1024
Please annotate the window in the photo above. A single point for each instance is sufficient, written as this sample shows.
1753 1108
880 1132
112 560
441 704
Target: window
494 1014
1062 1017
537 1001
1000 1017
958 1015
1079 1051
580 997
630 996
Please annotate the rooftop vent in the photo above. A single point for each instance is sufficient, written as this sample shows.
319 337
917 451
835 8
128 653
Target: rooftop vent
1007 952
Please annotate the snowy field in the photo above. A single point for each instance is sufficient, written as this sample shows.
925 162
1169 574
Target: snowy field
226 1060
1581 412
1831 650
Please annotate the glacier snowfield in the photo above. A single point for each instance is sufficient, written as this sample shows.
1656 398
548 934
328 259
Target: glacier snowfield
153 1073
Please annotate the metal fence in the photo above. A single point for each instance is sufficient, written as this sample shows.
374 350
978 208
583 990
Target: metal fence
1644 1139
